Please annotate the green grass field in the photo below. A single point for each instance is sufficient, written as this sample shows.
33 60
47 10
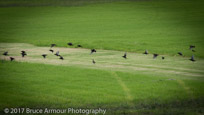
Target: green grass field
136 85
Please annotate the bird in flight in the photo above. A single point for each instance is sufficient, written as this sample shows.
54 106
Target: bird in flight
11 58
70 44
53 45
93 50
192 58
125 55
57 53
180 53
61 58
44 55
146 52
5 53
155 55
23 53
93 61
51 50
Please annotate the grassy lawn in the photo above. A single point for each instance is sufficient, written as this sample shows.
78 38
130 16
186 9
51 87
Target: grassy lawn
136 85
40 85
164 27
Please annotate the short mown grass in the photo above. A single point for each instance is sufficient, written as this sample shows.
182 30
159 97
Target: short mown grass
170 86
41 86
164 27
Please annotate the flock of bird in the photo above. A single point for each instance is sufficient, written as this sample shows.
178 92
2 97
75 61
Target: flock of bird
23 53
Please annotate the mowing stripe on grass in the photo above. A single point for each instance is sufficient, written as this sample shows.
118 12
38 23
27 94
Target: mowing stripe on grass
187 89
126 90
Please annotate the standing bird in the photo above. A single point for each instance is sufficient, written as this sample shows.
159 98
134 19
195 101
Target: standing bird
155 55
93 50
79 46
5 53
163 57
51 50
23 53
192 58
191 47
146 52
93 61
44 55
61 58
125 55
11 58
57 53
180 53
52 45
70 44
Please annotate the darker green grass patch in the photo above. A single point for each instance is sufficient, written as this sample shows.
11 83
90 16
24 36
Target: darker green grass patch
164 27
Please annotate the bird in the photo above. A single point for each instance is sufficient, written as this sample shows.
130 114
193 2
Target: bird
5 53
57 53
125 55
163 57
79 46
23 53
70 44
93 50
180 53
191 47
192 58
51 50
44 55
61 58
53 45
193 51
155 55
11 58
93 61
146 52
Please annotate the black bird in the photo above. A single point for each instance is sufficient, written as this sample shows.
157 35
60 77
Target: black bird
191 47
57 53
180 53
125 55
155 55
53 45
93 50
193 51
11 58
23 53
44 55
5 53
70 44
79 46
163 57
61 58
146 52
192 58
51 50
93 61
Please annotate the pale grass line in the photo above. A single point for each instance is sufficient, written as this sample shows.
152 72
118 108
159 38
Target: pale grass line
126 90
187 89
